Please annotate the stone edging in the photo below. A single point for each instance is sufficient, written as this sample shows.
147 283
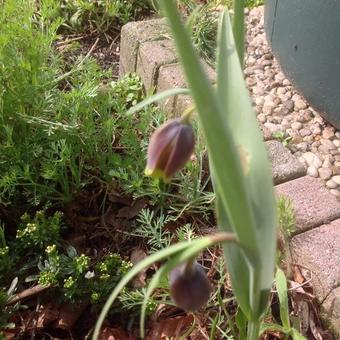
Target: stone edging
146 48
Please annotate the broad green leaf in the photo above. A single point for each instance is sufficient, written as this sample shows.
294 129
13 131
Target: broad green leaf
239 114
281 286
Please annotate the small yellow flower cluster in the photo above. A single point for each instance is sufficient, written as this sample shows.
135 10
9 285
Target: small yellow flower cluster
4 251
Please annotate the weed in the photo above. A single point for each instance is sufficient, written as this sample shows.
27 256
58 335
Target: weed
286 216
5 260
203 25
133 299
34 234
152 228
287 226
100 15
282 137
76 278
62 126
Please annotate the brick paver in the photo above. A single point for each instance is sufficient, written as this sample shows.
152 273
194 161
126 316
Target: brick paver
318 251
313 203
134 33
285 166
152 55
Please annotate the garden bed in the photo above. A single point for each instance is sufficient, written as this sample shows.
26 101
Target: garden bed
76 209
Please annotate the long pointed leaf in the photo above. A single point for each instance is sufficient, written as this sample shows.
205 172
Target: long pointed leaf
234 98
216 130
236 263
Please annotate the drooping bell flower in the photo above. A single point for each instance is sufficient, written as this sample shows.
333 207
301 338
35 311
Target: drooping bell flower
190 287
170 147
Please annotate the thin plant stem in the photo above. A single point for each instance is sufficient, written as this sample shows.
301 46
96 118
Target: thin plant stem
185 118
253 330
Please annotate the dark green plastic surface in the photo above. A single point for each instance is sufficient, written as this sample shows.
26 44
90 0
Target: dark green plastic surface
305 38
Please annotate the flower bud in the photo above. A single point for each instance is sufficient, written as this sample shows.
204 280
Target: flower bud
170 147
189 286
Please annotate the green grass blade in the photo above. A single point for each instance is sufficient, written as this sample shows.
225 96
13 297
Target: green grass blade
296 335
240 115
272 327
151 287
157 97
281 286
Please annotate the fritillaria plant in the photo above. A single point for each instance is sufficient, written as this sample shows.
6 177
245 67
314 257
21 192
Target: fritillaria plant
240 171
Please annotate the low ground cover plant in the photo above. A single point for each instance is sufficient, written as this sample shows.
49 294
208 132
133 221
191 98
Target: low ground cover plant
99 16
66 140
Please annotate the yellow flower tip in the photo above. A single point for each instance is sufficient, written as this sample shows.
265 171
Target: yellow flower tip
157 173
148 172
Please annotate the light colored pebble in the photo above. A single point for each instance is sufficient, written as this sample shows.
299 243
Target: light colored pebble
331 184
312 159
296 126
325 173
262 118
335 192
328 144
336 179
272 127
305 132
259 101
302 160
328 132
300 104
312 171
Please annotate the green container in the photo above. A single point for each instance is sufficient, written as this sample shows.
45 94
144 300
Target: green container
305 38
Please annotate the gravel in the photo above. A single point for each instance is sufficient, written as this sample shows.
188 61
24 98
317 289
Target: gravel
281 108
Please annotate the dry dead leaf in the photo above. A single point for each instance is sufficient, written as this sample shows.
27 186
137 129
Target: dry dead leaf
170 328
46 315
298 277
137 255
133 210
314 329
69 314
113 334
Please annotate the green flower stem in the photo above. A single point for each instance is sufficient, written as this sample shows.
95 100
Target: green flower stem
253 330
185 118
189 266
